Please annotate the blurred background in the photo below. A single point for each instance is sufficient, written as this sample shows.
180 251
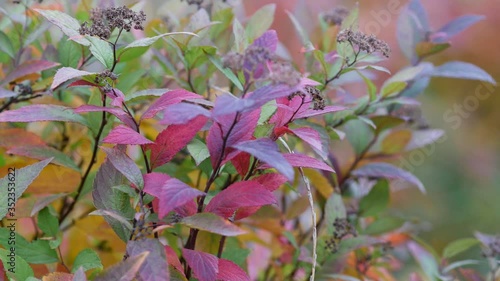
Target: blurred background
462 172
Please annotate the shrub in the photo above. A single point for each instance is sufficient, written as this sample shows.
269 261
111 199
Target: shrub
207 154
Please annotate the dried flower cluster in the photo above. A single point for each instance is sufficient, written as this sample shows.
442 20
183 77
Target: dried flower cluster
367 43
342 228
336 16
104 21
493 248
317 99
283 72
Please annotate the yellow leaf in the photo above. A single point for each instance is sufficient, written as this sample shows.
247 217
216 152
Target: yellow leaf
396 141
319 182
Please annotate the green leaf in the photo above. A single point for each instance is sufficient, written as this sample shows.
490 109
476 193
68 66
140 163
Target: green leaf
372 89
146 42
87 259
240 41
69 53
48 222
426 48
16 183
6 45
376 200
351 21
226 71
102 51
198 151
393 88
304 37
66 23
385 122
36 252
334 209
213 224
235 251
197 55
383 225
15 270
359 134
260 21
267 111
458 246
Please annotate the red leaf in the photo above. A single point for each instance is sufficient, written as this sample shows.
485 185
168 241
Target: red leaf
173 259
82 83
310 136
125 135
241 131
241 163
67 73
169 98
239 195
229 271
172 193
28 67
205 266
119 113
267 151
18 137
172 140
271 181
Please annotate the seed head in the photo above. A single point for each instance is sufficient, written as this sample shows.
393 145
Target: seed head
104 21
336 16
367 43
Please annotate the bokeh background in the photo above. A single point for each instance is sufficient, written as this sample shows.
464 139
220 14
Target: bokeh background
462 172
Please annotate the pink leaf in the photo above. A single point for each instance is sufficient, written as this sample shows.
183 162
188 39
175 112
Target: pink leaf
116 96
267 151
169 98
241 131
312 112
125 165
229 271
301 160
67 73
205 266
182 113
172 140
119 113
125 135
28 67
6 93
239 195
42 112
172 193
271 181
310 136
154 267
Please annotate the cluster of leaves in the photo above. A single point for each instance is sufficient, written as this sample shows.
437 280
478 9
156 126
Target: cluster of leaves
229 175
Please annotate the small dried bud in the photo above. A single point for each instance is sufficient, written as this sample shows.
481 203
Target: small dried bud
104 21
234 61
336 16
369 44
284 73
317 99
23 89
343 228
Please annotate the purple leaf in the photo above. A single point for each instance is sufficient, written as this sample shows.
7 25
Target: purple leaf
6 93
125 135
240 195
301 160
154 266
24 177
242 130
312 112
172 193
267 40
125 270
44 202
229 271
415 6
119 113
28 67
456 26
267 151
182 113
169 98
42 112
172 140
310 136
212 223
125 165
385 170
205 266
67 73
464 70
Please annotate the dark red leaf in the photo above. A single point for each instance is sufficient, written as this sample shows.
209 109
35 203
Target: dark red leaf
173 259
271 181
205 266
239 195
172 140
241 163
